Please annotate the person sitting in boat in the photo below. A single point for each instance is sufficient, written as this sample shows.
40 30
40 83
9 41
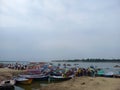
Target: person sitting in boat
63 75
92 72
78 72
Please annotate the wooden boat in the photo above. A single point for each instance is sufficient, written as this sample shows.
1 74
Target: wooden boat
36 77
58 78
7 84
23 80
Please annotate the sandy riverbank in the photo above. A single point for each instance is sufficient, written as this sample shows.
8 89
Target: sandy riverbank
86 83
78 83
6 73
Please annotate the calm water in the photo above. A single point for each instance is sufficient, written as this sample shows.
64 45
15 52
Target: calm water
14 62
37 85
88 64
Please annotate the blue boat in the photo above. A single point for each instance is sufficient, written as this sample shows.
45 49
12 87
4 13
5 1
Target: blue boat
100 72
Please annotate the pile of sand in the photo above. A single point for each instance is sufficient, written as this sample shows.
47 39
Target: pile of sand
86 83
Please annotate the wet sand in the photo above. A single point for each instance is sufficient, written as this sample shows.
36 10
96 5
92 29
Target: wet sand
86 83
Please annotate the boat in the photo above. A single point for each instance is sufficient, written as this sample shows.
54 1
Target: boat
36 77
100 72
117 66
117 75
23 80
58 78
41 78
7 84
109 74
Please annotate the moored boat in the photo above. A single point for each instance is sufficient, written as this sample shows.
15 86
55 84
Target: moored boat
109 74
41 78
36 77
100 72
22 80
117 75
59 78
7 84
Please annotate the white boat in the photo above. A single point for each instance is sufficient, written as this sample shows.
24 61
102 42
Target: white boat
109 74
23 80
7 83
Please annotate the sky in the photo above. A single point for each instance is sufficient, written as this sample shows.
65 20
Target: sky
45 30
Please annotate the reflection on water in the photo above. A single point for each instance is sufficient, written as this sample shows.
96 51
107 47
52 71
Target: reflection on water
34 86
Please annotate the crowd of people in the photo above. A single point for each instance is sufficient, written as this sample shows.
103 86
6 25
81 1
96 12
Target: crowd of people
86 72
17 66
57 71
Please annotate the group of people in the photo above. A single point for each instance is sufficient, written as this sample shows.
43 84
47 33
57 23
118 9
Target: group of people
86 72
66 72
17 66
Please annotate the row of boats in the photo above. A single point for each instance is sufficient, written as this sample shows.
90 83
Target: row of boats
29 78
51 73
104 73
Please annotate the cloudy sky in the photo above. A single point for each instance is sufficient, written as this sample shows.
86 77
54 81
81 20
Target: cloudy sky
59 29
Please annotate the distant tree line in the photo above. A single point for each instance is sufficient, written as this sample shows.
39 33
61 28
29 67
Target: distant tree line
88 60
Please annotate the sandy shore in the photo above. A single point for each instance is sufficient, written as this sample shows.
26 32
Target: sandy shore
86 83
78 83
6 73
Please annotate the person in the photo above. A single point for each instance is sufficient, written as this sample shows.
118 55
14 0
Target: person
64 75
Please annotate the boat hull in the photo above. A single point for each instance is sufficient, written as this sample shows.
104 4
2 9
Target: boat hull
116 76
44 78
27 81
58 78
7 85
36 77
